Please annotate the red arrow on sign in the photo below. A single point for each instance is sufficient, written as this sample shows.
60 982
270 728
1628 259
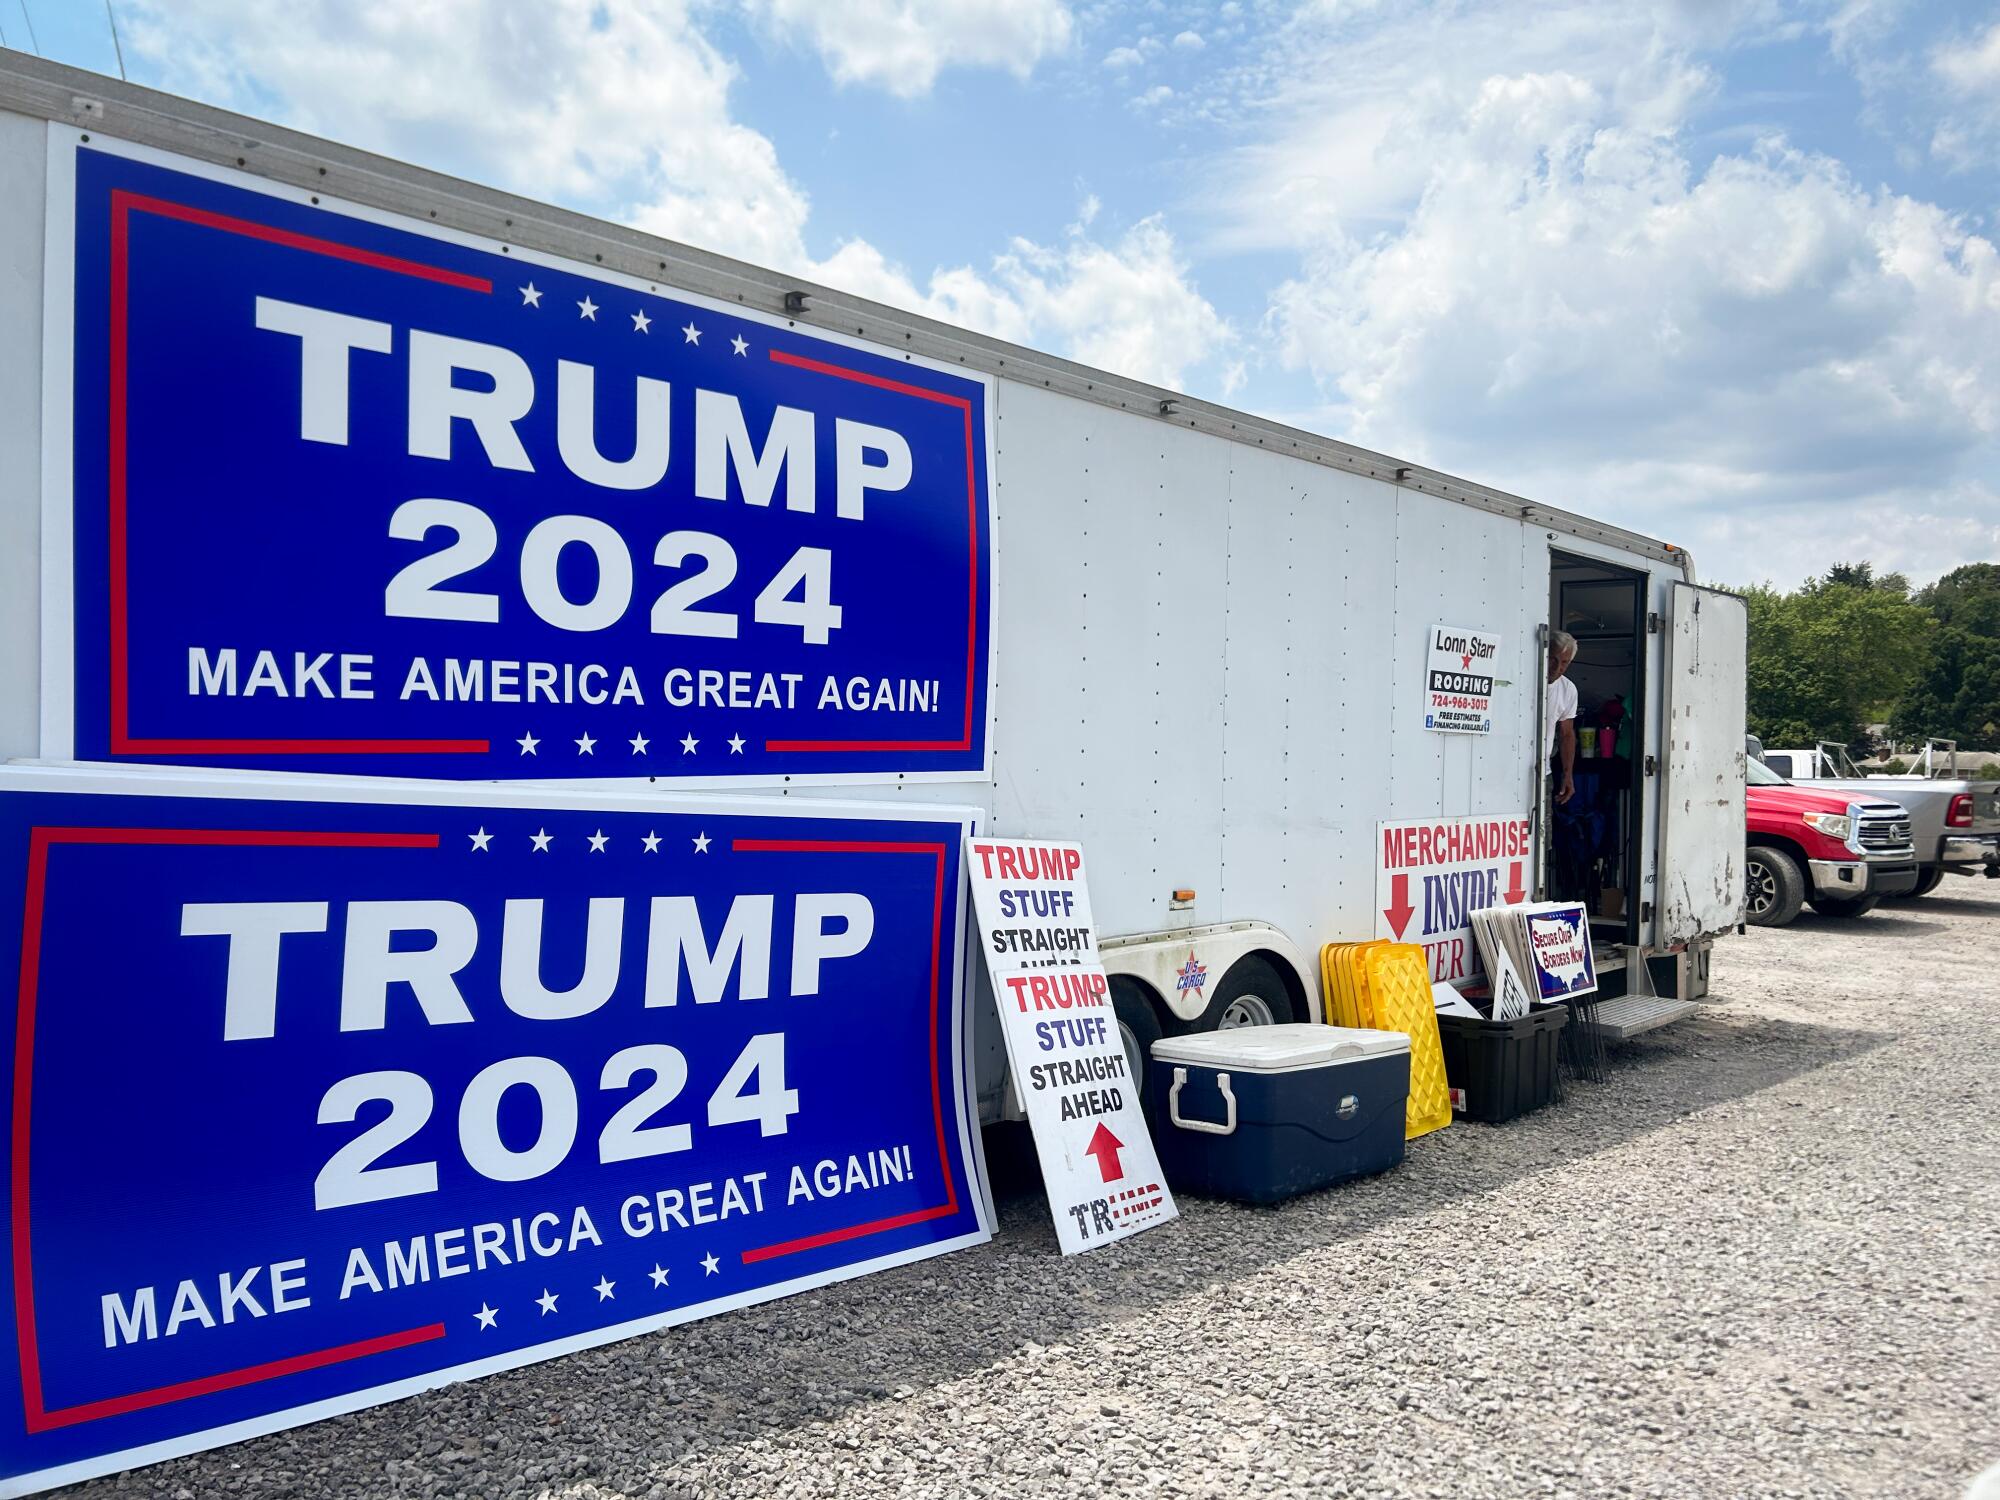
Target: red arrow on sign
1105 1147
1399 909
1515 890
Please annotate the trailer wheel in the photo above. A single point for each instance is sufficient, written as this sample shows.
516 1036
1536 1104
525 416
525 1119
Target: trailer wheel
1252 993
1774 887
1845 906
1138 1025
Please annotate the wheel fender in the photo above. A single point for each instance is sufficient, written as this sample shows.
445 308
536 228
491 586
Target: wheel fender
1182 968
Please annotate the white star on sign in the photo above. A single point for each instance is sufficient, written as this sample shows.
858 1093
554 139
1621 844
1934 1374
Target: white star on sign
688 742
690 334
541 839
585 745
547 1301
486 1315
604 1288
641 323
652 843
658 1274
701 843
527 742
639 743
588 308
598 840
531 295
710 1264
736 744
480 839
741 345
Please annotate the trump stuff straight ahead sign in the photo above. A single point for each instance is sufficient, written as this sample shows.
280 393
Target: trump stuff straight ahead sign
317 1102
336 490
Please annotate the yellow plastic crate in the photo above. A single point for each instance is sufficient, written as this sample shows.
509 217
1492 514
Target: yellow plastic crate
1399 987
1345 982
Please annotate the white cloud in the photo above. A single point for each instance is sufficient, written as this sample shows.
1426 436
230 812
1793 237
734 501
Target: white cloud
624 111
1130 306
1189 41
902 45
1523 275
1967 132
1972 66
624 108
1124 57
1155 96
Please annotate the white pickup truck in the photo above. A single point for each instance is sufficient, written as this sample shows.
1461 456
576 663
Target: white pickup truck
1954 821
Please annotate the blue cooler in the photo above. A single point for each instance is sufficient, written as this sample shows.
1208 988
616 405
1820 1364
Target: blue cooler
1262 1113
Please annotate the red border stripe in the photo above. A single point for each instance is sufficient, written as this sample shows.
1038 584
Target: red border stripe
950 1204
229 1380
124 204
166 208
903 388
35 1416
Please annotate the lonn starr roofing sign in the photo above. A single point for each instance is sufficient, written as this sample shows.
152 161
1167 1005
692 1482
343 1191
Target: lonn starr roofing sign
1458 680
320 1102
340 491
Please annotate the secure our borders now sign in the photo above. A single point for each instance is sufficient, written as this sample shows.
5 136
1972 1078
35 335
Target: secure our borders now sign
332 490
317 1101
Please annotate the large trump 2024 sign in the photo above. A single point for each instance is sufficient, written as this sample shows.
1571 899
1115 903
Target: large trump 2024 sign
342 491
319 1102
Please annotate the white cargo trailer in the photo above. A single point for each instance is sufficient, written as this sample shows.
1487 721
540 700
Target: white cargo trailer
1211 633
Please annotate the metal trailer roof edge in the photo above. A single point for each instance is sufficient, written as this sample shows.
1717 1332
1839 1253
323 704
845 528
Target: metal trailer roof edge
72 96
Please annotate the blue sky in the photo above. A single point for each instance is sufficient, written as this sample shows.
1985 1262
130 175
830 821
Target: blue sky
1720 270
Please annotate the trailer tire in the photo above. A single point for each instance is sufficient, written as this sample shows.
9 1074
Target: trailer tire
1845 906
1252 993
1774 887
1138 1025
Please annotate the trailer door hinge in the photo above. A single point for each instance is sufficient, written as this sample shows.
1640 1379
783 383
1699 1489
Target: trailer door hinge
1652 765
1652 624
1645 912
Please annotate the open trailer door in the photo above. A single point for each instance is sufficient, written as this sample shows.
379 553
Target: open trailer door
1701 791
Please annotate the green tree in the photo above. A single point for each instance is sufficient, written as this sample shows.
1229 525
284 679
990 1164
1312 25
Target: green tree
1827 657
1958 696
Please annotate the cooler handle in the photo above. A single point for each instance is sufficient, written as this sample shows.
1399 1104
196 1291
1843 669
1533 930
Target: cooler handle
1206 1127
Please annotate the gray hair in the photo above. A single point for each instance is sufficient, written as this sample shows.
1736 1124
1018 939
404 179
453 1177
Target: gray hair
1562 645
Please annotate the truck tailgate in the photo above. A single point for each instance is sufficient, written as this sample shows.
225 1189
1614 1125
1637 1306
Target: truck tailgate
1986 807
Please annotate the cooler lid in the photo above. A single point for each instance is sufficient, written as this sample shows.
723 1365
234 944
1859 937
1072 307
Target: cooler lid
1278 1049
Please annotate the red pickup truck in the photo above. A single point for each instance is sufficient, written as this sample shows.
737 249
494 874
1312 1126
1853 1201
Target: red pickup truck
1841 853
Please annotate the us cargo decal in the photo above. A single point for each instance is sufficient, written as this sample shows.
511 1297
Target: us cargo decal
348 493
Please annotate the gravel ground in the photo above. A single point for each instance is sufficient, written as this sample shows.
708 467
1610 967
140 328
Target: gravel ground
1761 1260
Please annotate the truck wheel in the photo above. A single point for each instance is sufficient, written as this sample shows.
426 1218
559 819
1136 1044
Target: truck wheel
1138 1024
1252 993
1845 906
1927 881
1774 887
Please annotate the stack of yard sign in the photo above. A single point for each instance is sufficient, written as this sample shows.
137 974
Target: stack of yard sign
1508 951
1384 986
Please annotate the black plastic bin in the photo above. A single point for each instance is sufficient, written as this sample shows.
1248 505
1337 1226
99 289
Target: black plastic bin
1500 1069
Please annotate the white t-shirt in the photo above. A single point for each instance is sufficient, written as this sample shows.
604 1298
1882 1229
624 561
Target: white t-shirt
1562 705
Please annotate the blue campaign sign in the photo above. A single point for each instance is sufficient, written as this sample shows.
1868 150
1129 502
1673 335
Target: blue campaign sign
348 492
320 1102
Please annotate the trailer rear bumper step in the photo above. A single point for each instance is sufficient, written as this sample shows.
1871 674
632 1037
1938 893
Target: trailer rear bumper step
1621 1019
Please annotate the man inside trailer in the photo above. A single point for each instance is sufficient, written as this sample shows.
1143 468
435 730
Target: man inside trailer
1569 833
1560 730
